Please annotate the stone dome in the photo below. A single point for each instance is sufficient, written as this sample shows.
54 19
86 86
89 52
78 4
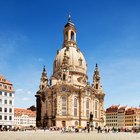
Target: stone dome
76 60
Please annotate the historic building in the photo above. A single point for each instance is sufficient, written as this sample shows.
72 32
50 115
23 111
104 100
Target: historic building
69 99
122 116
6 103
112 116
24 118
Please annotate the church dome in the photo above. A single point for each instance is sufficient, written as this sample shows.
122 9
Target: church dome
76 61
70 55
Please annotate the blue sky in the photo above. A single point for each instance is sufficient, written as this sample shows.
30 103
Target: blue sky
108 33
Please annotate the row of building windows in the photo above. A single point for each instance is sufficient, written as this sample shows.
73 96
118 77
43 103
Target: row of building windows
109 117
6 101
129 117
5 86
24 120
5 110
111 120
6 94
130 120
111 124
64 107
5 117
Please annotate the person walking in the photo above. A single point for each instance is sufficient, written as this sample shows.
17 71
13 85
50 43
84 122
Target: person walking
99 128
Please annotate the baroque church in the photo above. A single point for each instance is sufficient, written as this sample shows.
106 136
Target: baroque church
68 99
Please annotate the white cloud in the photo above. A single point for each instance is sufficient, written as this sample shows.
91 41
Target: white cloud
19 90
29 92
25 99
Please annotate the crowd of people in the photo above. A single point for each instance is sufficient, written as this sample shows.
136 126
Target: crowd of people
76 129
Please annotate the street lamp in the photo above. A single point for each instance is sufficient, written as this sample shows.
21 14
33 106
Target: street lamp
91 121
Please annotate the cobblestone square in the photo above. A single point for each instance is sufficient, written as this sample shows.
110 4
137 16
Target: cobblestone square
47 135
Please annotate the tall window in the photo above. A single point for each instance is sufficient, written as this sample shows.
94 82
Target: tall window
96 109
0 117
66 35
72 35
55 107
75 107
96 86
0 92
0 109
96 105
10 110
5 86
5 93
10 117
46 106
64 106
5 101
10 102
5 109
87 108
5 117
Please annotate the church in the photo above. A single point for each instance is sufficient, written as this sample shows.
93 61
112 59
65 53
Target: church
67 98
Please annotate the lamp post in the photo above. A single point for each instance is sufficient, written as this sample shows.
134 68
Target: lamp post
91 121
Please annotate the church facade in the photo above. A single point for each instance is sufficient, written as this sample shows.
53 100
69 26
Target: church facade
69 99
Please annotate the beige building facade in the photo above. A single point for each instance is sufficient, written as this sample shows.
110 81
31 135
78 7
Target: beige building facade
69 99
122 117
24 118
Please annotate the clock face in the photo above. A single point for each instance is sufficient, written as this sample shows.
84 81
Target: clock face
63 88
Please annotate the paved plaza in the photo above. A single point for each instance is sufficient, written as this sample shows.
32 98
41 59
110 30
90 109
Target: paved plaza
41 135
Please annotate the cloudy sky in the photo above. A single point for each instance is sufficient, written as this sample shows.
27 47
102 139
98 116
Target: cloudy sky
108 33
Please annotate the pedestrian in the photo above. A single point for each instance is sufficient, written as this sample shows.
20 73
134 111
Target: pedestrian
99 128
88 129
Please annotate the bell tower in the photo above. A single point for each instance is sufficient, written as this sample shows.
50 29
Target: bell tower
69 34
96 79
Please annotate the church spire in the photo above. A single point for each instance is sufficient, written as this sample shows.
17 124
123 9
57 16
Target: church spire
44 79
96 79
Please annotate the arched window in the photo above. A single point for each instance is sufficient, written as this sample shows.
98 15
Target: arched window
66 35
87 108
72 35
46 107
75 107
55 107
64 106
96 109
96 86
95 105
64 77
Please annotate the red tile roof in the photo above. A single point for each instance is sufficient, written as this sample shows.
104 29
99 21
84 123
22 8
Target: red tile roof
21 111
